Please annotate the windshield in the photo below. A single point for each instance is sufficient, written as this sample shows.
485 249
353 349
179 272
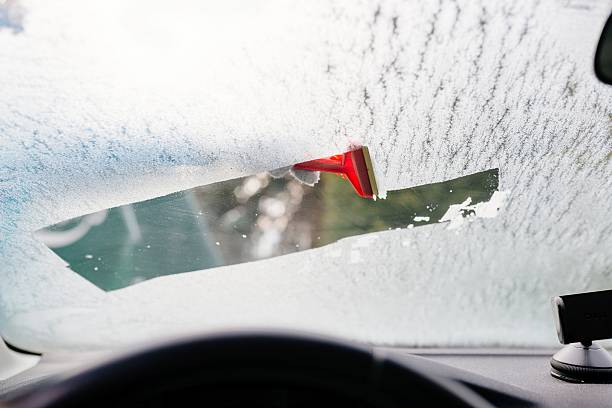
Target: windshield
139 143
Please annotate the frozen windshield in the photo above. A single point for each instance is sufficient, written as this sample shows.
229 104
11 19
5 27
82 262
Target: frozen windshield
136 141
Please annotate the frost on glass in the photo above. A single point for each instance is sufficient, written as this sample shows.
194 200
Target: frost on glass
11 16
176 96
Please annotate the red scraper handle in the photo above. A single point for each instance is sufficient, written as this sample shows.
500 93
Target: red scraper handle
354 165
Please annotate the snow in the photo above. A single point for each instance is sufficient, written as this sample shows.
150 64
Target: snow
458 214
111 102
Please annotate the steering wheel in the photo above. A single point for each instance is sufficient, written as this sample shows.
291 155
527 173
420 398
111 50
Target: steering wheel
254 370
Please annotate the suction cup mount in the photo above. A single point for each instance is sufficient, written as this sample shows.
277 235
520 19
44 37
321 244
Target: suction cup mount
581 319
578 362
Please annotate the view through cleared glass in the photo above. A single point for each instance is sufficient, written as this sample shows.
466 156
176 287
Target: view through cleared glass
242 220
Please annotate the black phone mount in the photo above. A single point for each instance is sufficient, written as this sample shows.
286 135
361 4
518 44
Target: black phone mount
580 319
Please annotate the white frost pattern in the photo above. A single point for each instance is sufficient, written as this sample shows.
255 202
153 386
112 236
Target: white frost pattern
174 96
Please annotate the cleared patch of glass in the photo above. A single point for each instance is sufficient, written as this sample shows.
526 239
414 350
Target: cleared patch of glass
243 220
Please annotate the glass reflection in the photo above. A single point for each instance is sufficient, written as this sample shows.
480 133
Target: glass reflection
242 220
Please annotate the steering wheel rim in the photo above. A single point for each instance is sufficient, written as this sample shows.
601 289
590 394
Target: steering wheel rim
258 359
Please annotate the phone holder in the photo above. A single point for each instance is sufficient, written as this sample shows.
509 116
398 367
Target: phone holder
580 320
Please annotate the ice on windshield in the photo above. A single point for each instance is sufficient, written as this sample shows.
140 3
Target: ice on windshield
108 103
11 15
248 219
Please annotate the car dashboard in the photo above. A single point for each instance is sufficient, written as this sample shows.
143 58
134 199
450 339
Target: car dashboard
503 377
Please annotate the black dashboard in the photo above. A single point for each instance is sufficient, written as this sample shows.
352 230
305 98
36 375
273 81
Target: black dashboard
501 377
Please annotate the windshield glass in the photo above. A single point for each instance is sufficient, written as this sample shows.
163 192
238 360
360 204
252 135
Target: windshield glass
139 144
249 219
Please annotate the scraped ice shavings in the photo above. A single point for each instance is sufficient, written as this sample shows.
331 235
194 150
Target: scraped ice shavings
458 214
